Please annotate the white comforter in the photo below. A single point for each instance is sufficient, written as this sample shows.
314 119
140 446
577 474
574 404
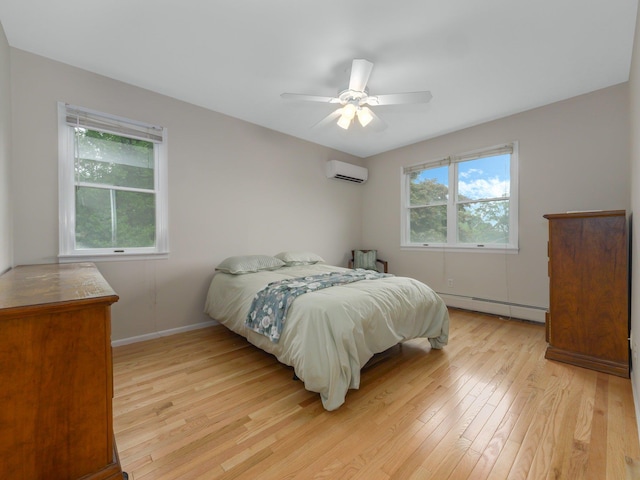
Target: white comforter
330 334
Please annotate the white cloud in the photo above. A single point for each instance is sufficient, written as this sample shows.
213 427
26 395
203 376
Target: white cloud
470 172
484 187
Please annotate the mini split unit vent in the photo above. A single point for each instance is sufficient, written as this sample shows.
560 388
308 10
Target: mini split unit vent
346 171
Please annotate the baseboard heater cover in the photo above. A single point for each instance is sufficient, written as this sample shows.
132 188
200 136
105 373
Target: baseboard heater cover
162 333
495 307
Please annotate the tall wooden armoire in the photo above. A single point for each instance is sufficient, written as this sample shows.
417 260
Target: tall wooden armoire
588 319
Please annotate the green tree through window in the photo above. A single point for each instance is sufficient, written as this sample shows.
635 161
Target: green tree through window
115 200
428 221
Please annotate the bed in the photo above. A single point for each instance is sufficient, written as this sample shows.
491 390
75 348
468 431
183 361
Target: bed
331 333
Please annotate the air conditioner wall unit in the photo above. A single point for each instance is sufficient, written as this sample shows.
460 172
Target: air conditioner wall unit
346 171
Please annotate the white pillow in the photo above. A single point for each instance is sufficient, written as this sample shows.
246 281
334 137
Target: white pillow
299 258
249 264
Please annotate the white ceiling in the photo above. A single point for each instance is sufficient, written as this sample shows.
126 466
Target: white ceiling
481 59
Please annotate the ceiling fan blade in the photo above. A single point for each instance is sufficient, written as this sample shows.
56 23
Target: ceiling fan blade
399 98
309 98
360 71
328 119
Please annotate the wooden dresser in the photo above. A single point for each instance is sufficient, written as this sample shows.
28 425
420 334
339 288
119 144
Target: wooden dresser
588 319
56 384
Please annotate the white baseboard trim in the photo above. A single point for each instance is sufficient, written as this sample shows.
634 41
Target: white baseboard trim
524 312
504 309
163 333
636 399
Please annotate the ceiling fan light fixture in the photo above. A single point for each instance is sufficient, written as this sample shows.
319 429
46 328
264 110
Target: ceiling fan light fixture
344 121
364 116
348 112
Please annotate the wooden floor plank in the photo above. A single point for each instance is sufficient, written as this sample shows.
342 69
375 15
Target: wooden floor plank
205 404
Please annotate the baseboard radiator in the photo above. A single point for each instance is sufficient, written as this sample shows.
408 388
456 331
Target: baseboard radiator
162 333
495 307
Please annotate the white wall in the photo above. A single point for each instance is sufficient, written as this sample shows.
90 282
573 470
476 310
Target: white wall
6 225
573 156
234 189
634 102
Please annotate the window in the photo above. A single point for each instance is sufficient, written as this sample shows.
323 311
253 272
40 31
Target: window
113 185
463 201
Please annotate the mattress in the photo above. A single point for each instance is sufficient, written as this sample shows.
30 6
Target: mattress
330 334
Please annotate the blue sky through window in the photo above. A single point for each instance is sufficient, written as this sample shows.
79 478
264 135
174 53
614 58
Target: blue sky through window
484 178
440 174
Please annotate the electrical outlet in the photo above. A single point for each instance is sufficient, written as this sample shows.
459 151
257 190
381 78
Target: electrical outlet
450 283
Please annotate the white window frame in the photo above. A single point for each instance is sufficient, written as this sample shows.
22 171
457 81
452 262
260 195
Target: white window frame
94 120
452 161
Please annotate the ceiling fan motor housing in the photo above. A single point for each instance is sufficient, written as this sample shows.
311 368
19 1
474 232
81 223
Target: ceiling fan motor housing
353 96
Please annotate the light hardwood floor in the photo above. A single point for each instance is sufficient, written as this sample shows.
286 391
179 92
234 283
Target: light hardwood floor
207 405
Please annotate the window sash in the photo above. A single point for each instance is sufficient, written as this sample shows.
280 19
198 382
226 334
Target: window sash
121 170
116 226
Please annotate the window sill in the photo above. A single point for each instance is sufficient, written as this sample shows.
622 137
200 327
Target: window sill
112 257
460 249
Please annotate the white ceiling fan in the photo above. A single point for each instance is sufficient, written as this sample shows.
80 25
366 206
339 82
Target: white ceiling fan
355 100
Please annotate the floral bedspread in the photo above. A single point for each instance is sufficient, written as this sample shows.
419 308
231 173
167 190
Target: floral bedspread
269 307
